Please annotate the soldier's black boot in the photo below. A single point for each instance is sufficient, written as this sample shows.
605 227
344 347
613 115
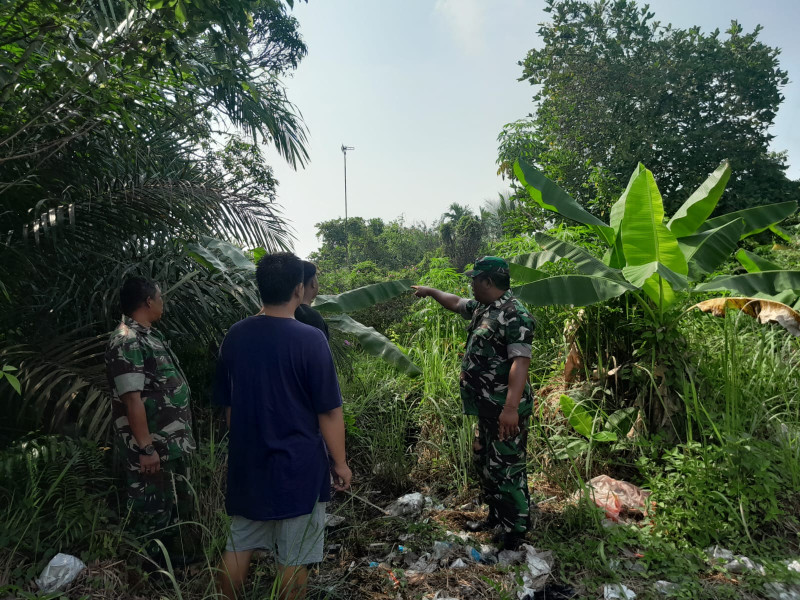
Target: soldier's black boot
512 541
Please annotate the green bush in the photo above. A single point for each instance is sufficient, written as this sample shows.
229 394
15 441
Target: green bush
730 494
56 496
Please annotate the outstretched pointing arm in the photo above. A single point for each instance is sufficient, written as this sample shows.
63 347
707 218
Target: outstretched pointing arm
449 301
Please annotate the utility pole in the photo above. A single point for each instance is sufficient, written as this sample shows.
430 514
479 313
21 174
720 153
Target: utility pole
346 233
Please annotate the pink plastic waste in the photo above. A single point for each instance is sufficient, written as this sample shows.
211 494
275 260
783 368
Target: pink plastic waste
616 497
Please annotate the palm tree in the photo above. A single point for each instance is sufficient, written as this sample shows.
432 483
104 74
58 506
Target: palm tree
108 168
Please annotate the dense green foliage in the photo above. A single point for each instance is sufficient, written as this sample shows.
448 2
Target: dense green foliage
618 87
113 157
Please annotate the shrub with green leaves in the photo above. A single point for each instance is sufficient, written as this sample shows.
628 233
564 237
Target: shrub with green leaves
729 494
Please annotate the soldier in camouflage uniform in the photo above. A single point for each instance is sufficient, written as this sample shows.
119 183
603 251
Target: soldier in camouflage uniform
494 387
151 414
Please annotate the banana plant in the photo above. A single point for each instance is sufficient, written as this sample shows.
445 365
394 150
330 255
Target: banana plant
648 254
238 265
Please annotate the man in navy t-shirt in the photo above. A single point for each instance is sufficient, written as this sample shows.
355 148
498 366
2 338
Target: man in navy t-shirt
276 378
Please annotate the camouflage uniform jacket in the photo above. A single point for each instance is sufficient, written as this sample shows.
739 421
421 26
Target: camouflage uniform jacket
138 358
497 333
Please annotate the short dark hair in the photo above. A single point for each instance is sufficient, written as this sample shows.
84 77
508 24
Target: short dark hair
277 276
135 292
309 271
500 280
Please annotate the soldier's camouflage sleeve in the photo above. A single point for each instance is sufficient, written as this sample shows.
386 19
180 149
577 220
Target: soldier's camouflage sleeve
466 308
125 364
519 334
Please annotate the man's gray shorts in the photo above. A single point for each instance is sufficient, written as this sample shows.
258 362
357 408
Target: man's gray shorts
296 541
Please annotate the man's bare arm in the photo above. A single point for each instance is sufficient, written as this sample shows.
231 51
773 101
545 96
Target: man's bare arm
331 425
449 301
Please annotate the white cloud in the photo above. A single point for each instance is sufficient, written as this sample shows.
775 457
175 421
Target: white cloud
465 18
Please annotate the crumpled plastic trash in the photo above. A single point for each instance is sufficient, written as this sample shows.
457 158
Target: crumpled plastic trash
793 565
733 563
59 572
442 550
409 505
424 564
333 520
617 591
487 555
782 591
667 587
458 564
615 496
538 565
507 558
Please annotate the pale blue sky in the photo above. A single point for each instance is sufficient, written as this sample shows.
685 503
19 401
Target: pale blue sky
421 88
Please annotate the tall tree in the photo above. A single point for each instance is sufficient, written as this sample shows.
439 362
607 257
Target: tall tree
618 87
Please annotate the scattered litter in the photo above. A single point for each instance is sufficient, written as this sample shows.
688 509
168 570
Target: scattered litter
438 597
539 565
408 505
393 578
401 549
782 591
443 550
793 565
458 564
462 535
474 554
667 587
733 563
405 537
616 497
510 557
333 520
373 565
334 547
59 572
424 564
719 554
617 591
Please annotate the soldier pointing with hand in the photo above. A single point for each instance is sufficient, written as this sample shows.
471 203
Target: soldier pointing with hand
494 387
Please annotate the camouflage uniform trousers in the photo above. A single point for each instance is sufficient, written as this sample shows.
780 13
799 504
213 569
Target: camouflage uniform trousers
502 470
160 500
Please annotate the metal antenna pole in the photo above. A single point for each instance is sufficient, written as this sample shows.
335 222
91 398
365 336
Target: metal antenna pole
346 233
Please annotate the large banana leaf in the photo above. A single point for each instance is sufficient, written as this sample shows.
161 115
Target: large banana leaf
535 260
583 260
219 255
770 283
706 251
699 206
522 274
757 219
754 263
615 256
548 195
575 290
646 241
361 298
373 342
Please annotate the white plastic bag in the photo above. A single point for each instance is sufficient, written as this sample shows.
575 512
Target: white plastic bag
59 572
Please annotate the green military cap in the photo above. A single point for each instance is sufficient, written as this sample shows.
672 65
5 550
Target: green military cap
487 265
